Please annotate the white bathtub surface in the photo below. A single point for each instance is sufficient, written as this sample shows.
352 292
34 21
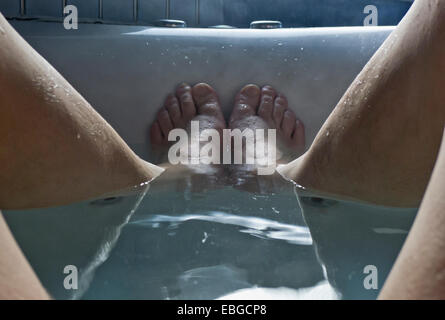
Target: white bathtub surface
125 72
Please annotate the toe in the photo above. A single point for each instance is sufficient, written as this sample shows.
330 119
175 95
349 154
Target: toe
246 102
206 100
298 136
288 124
165 122
280 106
265 109
174 111
156 136
184 95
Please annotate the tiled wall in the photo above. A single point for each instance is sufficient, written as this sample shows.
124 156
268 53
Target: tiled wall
87 9
119 11
10 8
204 13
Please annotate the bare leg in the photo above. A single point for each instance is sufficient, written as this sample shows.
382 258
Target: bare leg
380 143
54 148
419 272
17 279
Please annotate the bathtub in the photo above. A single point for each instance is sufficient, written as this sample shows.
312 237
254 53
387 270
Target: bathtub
125 72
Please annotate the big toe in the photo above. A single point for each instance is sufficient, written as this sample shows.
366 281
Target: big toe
206 100
246 102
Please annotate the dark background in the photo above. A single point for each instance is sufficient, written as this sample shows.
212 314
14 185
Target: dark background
204 13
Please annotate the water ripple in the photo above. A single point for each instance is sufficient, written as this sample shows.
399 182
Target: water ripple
258 227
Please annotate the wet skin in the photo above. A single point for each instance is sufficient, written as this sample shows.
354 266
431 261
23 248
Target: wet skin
254 108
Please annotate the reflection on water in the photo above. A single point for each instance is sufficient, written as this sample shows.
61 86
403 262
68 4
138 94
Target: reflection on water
258 227
200 236
349 236
321 291
82 234
192 237
211 243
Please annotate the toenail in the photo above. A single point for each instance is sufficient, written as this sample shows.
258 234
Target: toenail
202 89
184 86
251 90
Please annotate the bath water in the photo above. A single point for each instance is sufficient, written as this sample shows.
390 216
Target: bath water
193 239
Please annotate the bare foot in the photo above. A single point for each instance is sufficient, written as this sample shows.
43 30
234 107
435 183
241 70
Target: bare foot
187 104
265 108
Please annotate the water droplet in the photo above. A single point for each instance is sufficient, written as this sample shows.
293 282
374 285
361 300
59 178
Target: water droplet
206 236
327 134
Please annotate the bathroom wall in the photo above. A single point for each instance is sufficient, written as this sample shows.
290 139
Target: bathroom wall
204 13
